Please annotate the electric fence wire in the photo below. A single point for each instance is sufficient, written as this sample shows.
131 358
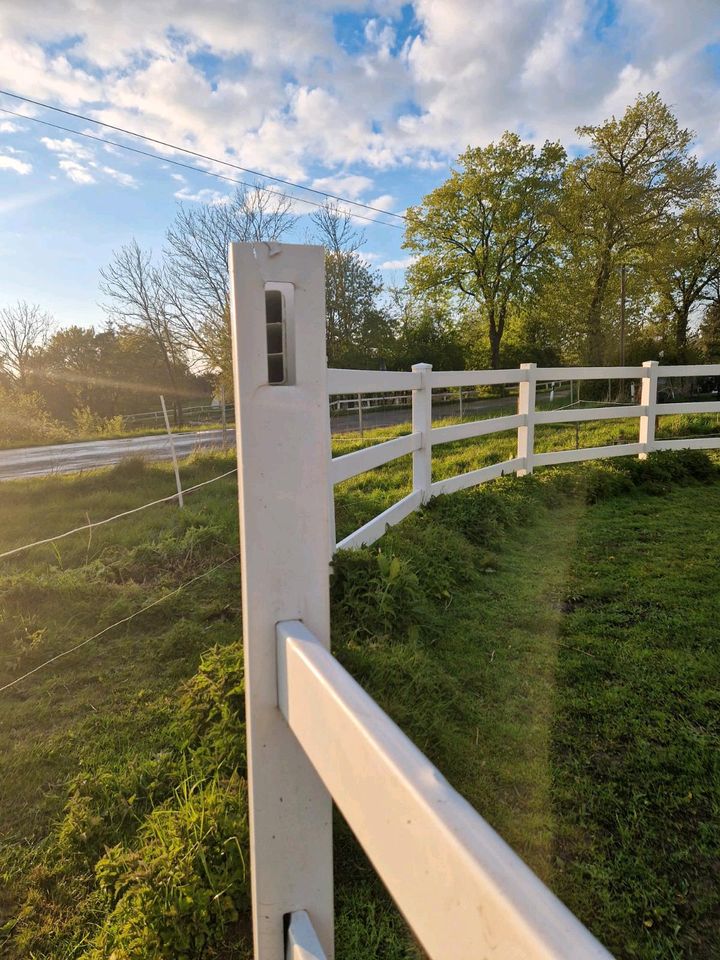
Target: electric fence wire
100 633
212 173
117 516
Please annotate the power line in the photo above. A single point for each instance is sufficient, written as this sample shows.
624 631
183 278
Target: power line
190 166
118 623
201 156
100 523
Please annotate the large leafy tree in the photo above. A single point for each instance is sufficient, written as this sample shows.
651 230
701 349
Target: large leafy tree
426 330
483 234
621 201
685 268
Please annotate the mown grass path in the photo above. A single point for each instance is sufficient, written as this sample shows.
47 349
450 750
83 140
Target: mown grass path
636 741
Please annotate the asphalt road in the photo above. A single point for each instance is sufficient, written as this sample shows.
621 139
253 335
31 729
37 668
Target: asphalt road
71 457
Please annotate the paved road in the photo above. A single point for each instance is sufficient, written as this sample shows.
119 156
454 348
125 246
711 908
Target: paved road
71 457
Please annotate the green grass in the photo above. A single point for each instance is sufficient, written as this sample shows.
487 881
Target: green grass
636 736
553 692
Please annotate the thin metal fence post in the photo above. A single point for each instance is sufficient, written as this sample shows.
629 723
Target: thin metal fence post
461 404
171 441
285 496
526 408
648 399
360 416
224 416
422 424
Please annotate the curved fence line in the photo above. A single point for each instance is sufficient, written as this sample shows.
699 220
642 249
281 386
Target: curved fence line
424 437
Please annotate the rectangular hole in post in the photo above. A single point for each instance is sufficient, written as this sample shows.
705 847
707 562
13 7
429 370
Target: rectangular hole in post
276 337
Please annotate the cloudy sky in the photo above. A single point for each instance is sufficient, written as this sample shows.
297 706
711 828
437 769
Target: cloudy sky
371 100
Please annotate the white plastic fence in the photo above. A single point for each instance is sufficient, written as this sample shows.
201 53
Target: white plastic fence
422 380
314 735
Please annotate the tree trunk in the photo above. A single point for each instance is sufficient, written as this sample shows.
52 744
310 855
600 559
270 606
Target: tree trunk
682 318
495 334
594 318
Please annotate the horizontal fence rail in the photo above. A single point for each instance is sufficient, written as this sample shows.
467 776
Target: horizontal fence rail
360 461
527 378
463 891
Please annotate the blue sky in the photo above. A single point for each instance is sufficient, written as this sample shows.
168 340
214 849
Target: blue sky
371 99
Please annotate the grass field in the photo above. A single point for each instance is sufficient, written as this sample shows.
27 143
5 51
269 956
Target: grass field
550 642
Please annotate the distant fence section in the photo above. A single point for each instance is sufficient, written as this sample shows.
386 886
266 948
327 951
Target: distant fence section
314 736
422 381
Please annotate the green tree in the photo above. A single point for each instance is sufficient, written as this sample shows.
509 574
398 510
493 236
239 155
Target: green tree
620 201
483 234
685 267
359 332
425 330
710 333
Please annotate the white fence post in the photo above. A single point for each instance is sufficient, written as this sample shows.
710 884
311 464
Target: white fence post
283 449
422 424
171 441
526 407
648 399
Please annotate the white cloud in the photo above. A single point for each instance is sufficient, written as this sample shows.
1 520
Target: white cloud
7 126
286 98
401 264
124 179
205 195
80 165
76 171
68 148
12 163
345 185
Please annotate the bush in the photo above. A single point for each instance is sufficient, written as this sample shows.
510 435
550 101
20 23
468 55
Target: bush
375 595
24 420
185 881
89 424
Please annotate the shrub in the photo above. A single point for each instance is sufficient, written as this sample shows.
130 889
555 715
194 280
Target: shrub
24 419
176 891
375 595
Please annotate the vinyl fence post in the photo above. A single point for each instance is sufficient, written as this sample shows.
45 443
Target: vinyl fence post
422 424
283 450
526 407
648 399
171 441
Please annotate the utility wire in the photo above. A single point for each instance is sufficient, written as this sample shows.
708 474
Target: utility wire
99 523
118 623
194 153
190 166
200 156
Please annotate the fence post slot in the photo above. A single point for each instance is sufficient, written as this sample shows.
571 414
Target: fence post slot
285 497
648 399
526 407
422 424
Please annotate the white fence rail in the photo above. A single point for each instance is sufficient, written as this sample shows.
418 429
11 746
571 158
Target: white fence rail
426 437
313 734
